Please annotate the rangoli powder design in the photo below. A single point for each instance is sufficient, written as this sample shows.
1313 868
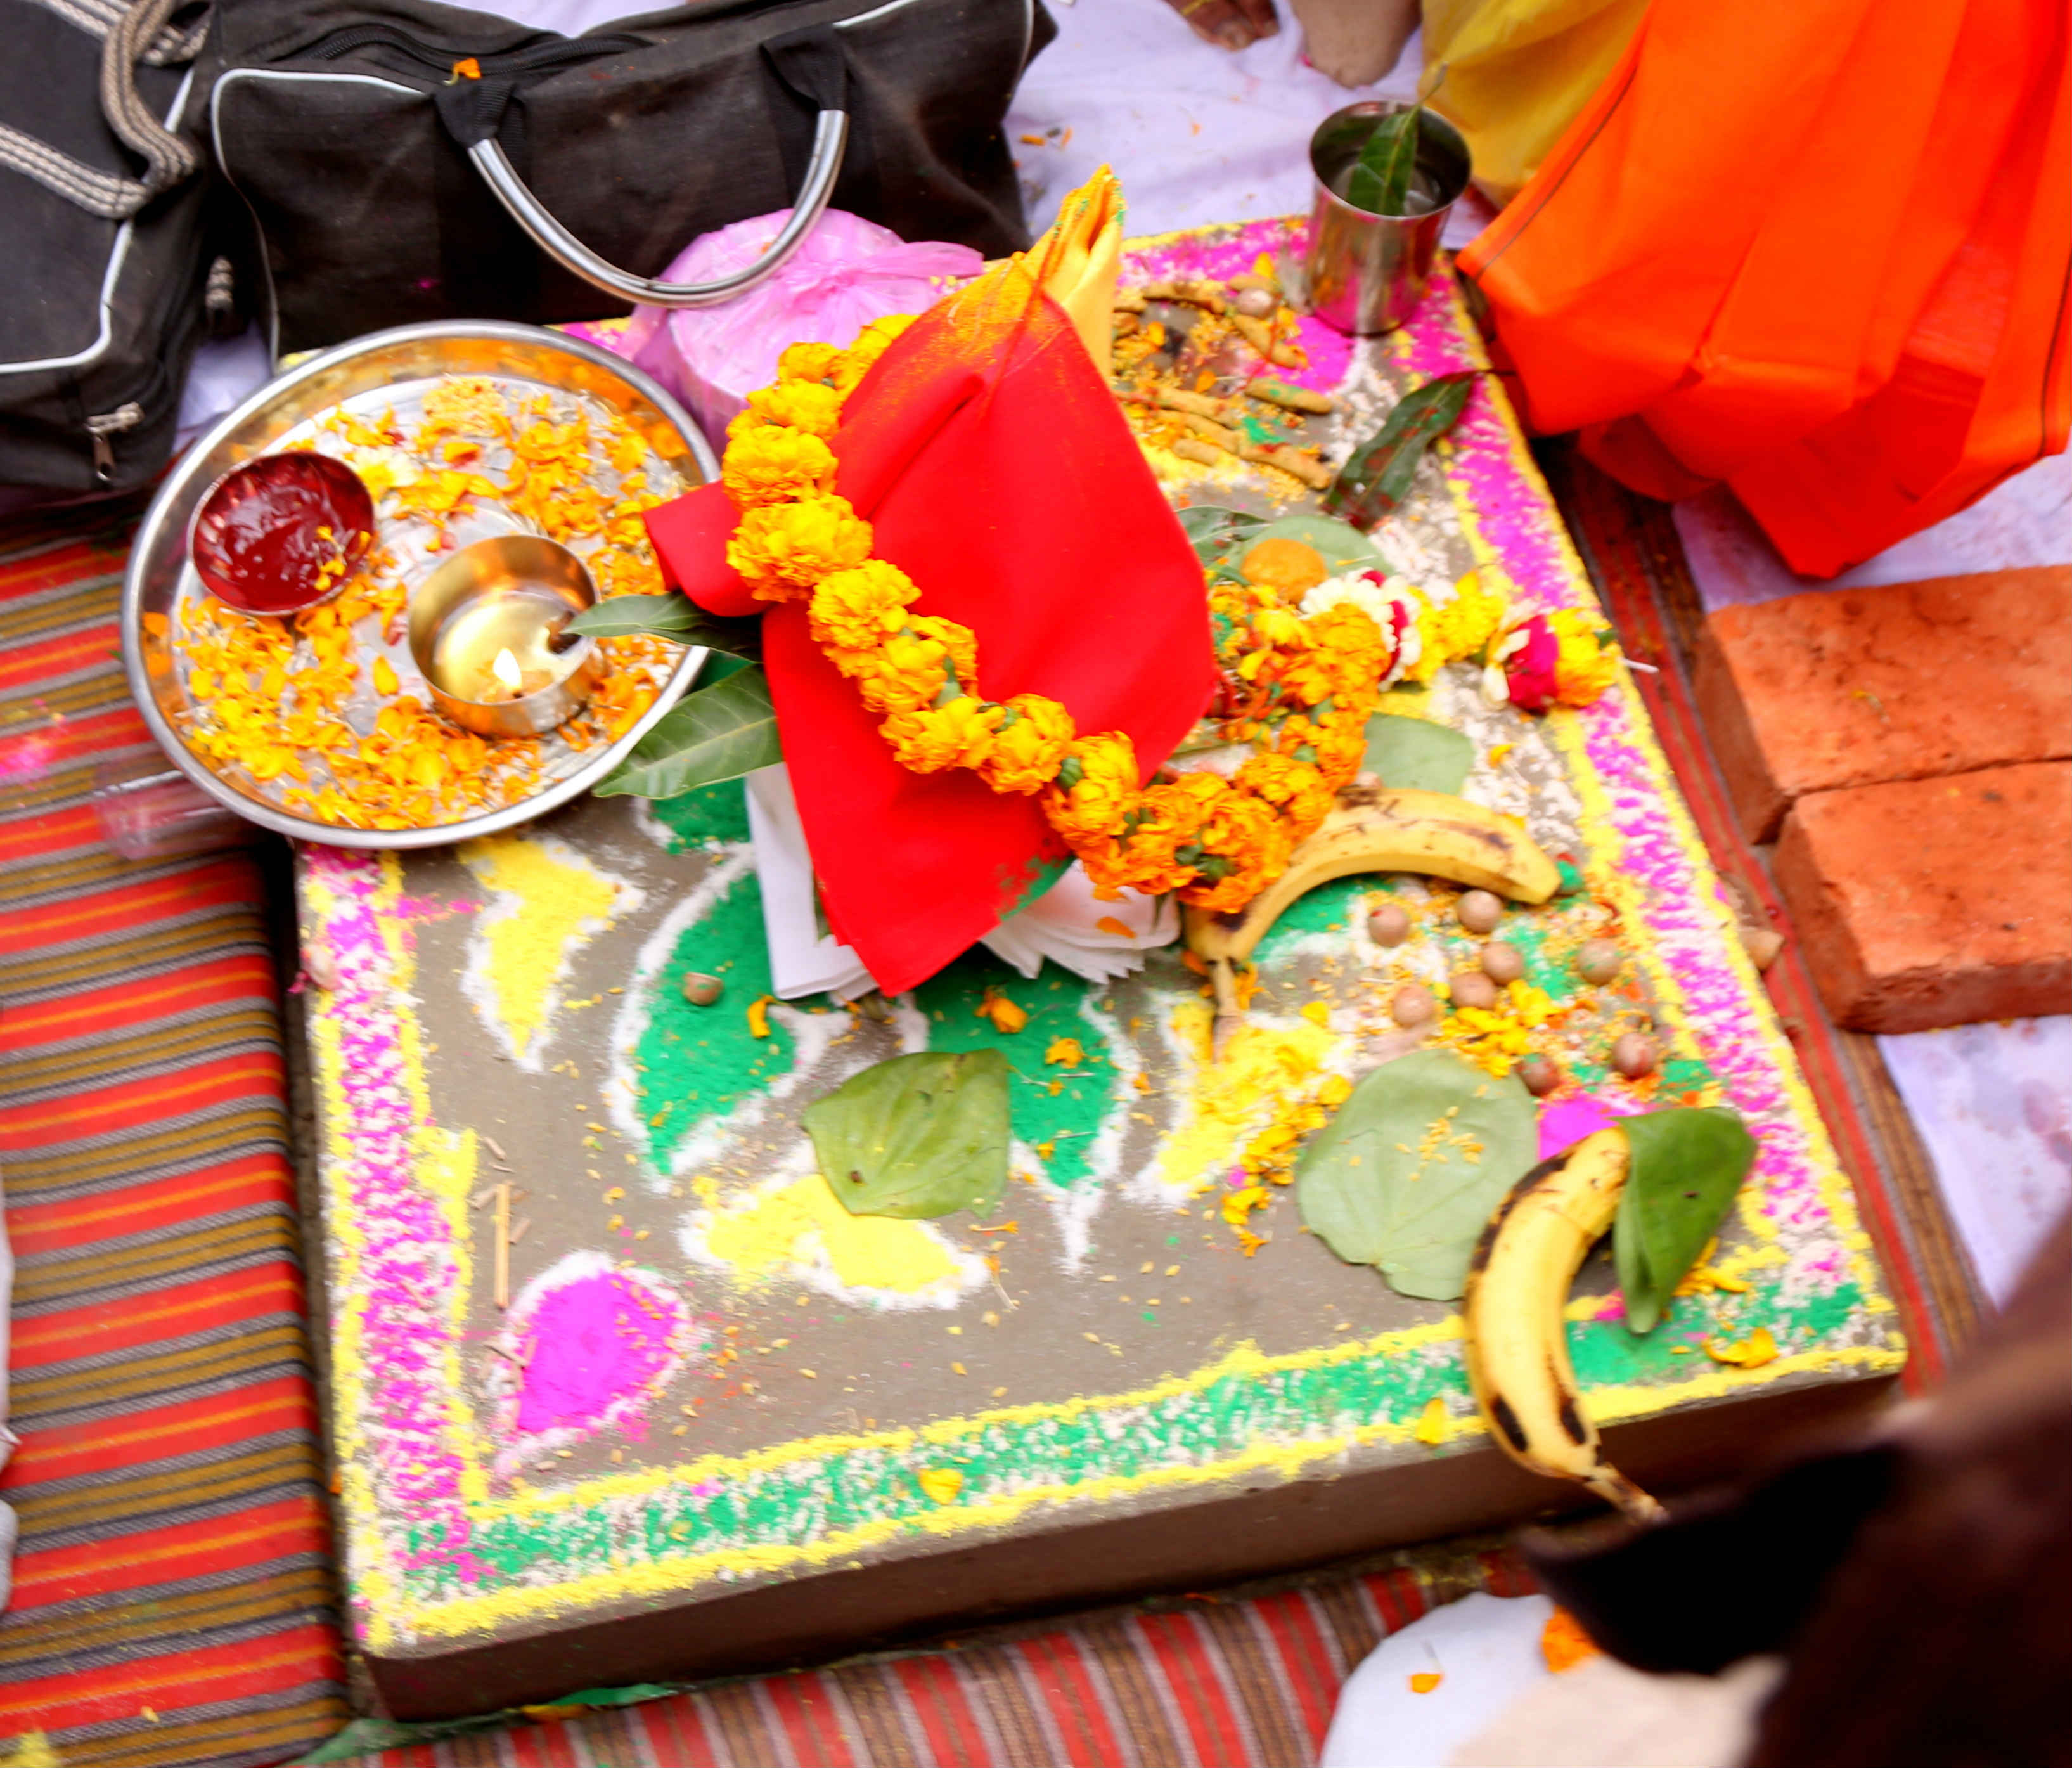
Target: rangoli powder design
440 1545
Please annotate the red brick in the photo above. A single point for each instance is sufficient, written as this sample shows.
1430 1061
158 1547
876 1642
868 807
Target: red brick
1935 902
1841 687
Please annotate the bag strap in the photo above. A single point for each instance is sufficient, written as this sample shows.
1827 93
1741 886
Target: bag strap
168 160
129 34
809 62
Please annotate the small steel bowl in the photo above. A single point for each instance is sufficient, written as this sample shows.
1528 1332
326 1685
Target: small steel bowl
323 492
496 567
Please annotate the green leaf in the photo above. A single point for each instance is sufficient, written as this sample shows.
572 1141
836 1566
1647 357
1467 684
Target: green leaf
1380 181
1416 1216
1379 475
717 733
1213 529
919 1135
1418 753
669 616
1343 547
1688 1163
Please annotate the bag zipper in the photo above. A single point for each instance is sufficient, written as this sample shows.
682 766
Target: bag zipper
111 423
537 58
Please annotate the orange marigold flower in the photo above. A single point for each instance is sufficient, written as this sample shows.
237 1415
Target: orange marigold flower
784 550
1298 789
1244 847
1341 746
1347 635
933 737
871 343
1026 750
1095 785
1587 662
1169 814
858 609
959 641
807 362
798 404
903 674
775 464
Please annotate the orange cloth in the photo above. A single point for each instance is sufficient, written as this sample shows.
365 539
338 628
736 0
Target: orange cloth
1822 253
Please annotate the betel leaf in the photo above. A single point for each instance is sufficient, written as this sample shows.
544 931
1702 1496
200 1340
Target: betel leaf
1418 753
1341 545
1378 476
1393 1181
717 733
1212 530
1688 1163
914 1136
1380 181
669 616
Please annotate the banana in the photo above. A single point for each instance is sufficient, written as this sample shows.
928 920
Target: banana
1517 1344
1374 829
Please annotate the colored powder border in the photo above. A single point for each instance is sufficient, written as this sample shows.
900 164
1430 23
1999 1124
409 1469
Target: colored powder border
1694 956
415 1453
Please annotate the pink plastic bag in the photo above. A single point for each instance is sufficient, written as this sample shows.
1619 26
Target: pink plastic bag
849 272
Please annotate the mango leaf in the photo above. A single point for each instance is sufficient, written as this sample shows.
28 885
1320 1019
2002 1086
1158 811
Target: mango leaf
914 1136
1418 753
1688 1163
1378 477
1380 181
717 733
1212 529
669 616
1393 1181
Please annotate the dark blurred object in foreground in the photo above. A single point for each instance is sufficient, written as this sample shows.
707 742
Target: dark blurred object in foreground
1919 1581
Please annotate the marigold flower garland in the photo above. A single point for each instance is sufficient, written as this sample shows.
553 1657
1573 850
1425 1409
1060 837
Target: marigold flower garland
1301 689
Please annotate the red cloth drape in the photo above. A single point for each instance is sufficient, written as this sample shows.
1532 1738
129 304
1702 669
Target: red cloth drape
1822 253
989 456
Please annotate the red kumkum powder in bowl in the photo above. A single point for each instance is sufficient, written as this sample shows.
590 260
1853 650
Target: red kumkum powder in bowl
280 534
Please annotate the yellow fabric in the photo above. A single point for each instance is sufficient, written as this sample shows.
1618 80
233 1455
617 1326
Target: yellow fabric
1076 262
1511 75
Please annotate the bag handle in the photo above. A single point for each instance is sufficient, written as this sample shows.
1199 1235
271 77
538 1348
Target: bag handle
168 160
810 63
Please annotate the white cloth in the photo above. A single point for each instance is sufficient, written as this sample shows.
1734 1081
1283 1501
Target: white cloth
226 371
1993 1103
2026 520
1486 1652
1061 925
1496 1705
1601 1713
1196 134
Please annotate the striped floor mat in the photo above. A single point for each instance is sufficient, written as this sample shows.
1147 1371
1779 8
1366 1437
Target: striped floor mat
1240 1681
172 1598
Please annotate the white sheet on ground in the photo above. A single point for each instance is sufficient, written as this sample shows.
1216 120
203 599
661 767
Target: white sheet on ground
2028 520
1993 1103
1486 1652
1197 134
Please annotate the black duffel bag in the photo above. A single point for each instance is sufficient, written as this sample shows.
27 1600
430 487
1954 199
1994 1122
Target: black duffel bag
104 202
404 161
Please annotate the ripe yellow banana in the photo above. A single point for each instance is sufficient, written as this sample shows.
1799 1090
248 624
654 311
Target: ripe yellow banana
1517 1342
1375 828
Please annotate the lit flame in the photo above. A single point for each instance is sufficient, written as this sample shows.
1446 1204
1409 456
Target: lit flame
506 670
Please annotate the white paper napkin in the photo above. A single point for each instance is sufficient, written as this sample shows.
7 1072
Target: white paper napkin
1068 924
